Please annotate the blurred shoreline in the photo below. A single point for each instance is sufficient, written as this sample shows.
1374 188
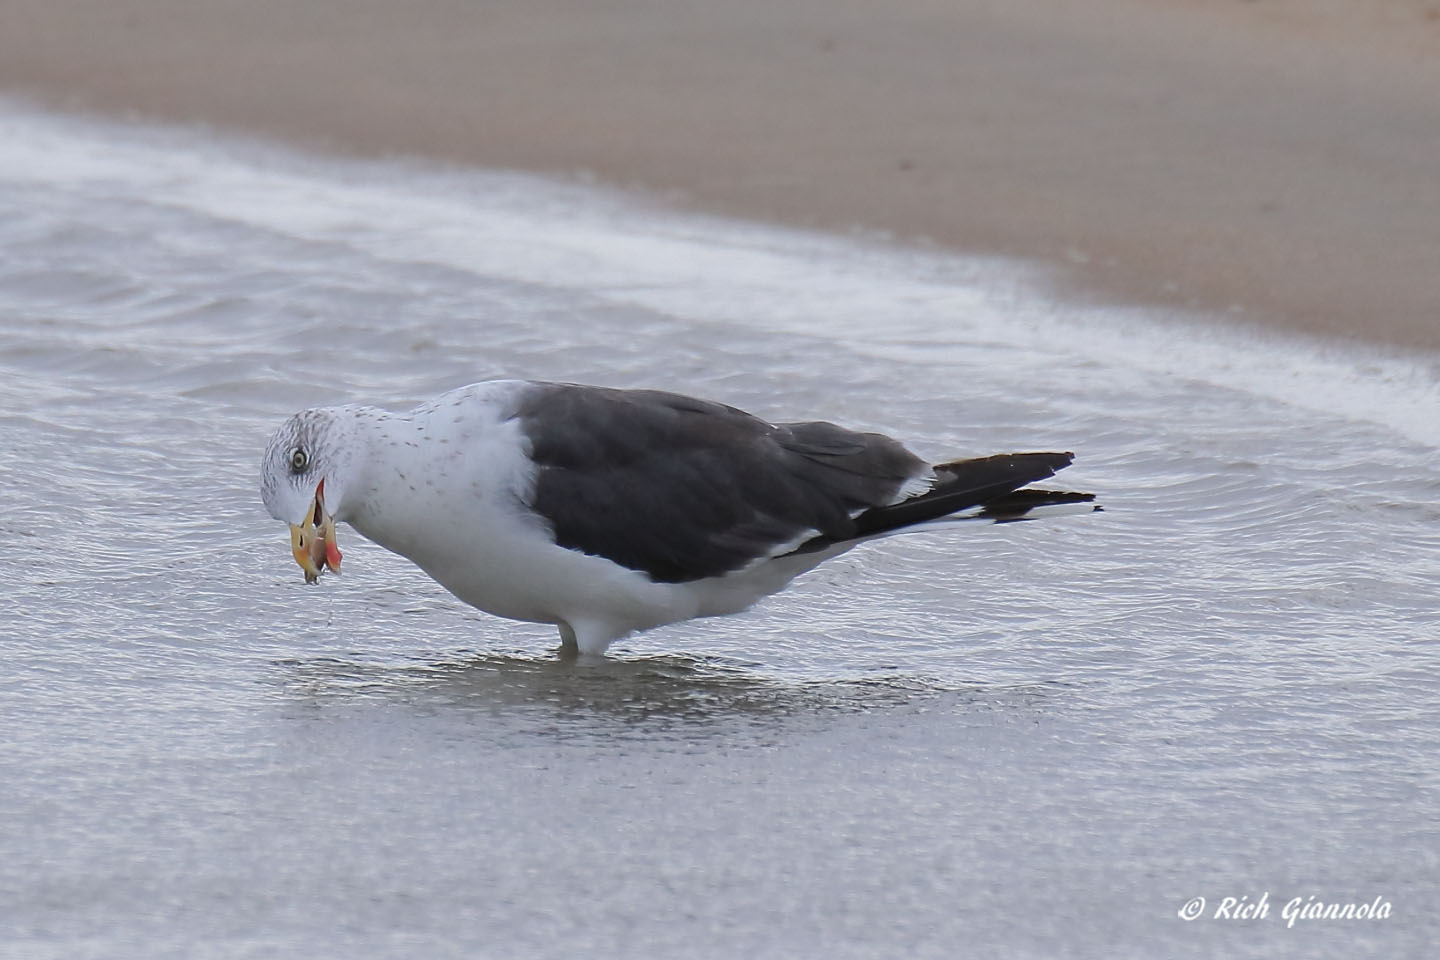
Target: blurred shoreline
1275 161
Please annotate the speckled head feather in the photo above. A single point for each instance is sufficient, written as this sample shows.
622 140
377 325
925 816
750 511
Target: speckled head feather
311 446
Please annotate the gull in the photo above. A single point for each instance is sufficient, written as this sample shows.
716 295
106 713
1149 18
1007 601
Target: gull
606 511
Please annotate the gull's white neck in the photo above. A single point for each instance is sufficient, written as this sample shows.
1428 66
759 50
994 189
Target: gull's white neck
404 495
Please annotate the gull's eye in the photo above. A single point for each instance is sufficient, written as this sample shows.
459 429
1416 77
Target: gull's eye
299 460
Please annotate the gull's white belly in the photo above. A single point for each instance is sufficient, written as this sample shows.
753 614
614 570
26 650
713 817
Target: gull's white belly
519 573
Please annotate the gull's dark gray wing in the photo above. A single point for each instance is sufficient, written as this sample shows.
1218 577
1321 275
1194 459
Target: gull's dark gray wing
682 489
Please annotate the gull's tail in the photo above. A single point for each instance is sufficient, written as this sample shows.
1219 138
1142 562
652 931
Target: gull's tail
989 486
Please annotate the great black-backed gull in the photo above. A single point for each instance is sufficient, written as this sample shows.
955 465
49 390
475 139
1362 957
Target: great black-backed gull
608 511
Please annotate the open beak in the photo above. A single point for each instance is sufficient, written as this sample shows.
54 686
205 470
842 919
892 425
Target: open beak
312 542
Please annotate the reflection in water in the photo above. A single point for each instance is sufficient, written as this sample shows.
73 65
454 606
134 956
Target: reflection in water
642 696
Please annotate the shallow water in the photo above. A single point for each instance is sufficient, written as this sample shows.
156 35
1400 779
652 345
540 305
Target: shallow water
1035 739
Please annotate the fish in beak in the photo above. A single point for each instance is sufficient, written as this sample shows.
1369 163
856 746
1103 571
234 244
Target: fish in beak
312 542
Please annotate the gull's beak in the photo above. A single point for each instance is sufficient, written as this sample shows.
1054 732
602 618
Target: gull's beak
312 542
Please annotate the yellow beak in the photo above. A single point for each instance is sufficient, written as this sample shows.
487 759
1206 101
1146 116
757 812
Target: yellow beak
312 542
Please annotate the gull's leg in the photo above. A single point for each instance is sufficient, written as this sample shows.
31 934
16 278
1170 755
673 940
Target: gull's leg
568 649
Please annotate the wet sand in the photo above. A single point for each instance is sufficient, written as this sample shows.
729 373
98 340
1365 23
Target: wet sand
1277 161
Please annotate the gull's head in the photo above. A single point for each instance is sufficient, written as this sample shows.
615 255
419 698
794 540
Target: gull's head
303 479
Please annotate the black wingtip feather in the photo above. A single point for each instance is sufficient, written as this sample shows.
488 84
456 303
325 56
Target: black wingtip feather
1017 504
962 484
989 482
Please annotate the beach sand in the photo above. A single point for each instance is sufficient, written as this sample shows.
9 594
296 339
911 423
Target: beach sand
1276 161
